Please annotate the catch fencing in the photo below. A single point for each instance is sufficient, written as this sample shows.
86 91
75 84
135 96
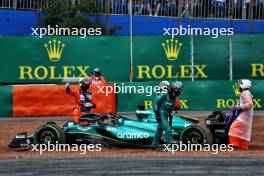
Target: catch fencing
23 4
219 9
209 9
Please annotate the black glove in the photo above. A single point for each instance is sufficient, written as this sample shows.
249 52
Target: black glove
157 114
176 108
170 120
67 86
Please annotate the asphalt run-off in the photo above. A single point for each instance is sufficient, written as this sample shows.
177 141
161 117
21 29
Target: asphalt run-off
134 166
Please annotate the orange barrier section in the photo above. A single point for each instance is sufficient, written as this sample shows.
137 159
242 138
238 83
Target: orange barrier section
52 100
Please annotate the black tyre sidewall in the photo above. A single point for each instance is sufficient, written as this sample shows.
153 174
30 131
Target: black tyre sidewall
60 135
196 128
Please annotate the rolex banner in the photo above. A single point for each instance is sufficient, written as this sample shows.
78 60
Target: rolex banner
48 60
157 58
248 56
197 95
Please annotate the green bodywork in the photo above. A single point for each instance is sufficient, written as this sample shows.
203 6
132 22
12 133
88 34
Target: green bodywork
132 131
136 131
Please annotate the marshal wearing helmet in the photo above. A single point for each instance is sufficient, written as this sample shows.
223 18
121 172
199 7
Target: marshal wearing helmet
84 100
240 130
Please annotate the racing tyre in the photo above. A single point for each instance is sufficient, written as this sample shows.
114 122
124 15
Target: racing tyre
209 135
194 134
49 133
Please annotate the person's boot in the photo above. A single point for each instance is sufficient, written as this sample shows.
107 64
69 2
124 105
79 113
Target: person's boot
153 148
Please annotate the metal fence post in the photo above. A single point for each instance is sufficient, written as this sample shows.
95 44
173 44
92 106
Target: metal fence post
230 43
38 11
107 17
190 14
244 9
131 42
179 13
15 4
251 15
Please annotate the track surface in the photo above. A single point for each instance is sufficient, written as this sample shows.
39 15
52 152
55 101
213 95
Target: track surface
126 161
133 166
10 128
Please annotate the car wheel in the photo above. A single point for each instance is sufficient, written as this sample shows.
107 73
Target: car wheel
194 134
209 135
49 133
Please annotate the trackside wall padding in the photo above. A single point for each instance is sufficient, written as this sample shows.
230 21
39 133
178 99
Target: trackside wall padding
52 100
5 101
196 95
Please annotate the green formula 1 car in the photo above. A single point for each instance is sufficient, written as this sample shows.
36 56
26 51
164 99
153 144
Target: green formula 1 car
112 130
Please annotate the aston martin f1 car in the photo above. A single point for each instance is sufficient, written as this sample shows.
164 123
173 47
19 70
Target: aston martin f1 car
111 130
219 124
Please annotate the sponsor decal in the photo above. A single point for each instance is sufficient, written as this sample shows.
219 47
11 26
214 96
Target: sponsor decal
135 135
54 49
21 136
172 52
229 103
257 70
172 49
149 104
84 128
112 129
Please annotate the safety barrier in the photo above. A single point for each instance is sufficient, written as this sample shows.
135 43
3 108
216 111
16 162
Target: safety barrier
6 102
52 100
196 96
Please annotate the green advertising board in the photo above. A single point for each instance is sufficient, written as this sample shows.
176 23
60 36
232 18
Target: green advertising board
248 56
214 54
158 58
197 95
6 101
48 60
155 58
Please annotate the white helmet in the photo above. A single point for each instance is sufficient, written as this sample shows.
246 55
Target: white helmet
245 84
164 85
84 81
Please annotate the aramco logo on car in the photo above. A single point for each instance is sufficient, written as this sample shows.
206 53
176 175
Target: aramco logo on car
54 49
